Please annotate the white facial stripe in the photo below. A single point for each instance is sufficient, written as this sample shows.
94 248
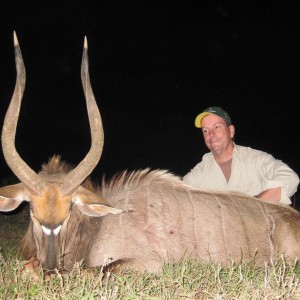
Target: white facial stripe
48 231
57 230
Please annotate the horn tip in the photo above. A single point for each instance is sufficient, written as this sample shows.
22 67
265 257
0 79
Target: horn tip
85 43
16 42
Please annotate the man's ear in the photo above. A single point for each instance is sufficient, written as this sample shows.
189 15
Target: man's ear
232 131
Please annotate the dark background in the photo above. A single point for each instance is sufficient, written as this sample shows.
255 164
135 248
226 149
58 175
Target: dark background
154 66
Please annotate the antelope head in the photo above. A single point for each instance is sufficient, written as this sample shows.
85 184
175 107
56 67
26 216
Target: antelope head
52 195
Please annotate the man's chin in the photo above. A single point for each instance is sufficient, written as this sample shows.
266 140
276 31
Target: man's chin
215 148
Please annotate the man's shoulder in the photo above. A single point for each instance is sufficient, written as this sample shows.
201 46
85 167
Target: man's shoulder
248 151
245 149
207 157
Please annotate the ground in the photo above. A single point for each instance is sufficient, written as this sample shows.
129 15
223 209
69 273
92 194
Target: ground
13 227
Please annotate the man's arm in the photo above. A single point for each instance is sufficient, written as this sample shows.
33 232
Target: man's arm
271 195
280 181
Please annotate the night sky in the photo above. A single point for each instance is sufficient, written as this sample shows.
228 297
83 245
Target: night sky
154 66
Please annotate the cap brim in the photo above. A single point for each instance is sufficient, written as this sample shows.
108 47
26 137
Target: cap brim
199 118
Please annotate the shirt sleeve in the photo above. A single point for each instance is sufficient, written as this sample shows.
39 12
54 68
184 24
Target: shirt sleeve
275 173
192 177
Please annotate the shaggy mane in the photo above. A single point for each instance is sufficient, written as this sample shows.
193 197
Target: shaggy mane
56 166
126 180
120 182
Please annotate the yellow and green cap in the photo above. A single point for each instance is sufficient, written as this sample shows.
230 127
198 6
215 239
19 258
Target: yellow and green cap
218 111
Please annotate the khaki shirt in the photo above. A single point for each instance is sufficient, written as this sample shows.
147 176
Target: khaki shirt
252 172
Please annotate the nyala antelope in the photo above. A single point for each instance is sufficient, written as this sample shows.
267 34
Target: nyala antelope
139 219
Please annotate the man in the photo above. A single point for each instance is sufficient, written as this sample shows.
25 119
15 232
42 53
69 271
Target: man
232 167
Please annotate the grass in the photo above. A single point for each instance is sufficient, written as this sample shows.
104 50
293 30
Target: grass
13 226
187 279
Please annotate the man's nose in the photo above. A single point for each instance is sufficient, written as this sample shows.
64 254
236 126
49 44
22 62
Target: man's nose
211 133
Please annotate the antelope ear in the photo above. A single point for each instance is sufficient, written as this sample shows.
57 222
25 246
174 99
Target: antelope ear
11 196
92 205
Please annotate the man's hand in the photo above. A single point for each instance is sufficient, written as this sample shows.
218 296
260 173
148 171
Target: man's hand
271 195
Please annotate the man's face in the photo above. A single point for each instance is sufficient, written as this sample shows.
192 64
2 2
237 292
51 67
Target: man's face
217 134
